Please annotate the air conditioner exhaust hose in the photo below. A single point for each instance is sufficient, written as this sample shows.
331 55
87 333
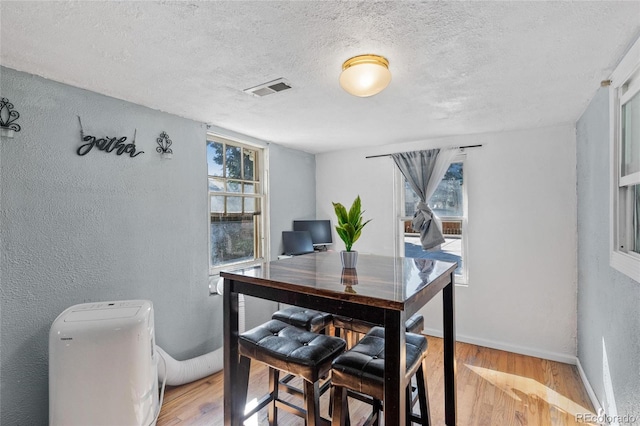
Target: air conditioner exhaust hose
181 372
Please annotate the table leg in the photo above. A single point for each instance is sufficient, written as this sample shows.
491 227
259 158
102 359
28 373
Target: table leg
448 299
233 411
394 368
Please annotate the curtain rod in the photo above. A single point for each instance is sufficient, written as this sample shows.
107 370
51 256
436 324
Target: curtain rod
388 155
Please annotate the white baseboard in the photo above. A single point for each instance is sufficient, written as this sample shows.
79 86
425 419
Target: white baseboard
592 395
553 356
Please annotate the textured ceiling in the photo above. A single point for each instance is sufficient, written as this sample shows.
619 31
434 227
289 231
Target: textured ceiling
458 67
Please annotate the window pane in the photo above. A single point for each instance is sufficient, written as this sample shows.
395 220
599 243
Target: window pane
631 136
250 205
234 204
235 224
214 158
234 186
216 184
217 204
447 200
249 188
410 199
233 162
232 239
450 250
249 159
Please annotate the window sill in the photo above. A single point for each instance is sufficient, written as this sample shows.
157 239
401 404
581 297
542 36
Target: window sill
235 266
460 281
626 264
214 274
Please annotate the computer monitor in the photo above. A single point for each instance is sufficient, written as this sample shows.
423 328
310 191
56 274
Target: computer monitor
320 230
297 242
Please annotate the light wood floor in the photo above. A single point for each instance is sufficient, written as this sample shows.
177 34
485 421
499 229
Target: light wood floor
494 388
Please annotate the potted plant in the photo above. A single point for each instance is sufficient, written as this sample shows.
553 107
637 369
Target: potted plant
349 228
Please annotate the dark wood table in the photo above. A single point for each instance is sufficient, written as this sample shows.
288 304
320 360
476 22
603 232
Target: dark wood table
382 290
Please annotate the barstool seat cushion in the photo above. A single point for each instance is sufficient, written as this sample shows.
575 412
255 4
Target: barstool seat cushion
305 318
362 367
291 349
415 324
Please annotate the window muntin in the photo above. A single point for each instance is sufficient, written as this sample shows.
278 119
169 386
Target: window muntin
235 203
448 203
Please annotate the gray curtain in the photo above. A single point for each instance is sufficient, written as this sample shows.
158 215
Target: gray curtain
424 171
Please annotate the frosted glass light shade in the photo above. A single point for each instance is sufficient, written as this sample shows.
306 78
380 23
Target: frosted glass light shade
365 75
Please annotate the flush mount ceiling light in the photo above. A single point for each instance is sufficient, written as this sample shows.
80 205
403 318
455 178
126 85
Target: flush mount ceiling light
365 75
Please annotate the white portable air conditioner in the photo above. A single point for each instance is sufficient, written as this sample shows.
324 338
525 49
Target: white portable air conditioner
103 365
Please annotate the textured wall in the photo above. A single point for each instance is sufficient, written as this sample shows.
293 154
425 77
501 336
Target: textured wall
293 196
106 227
608 301
521 234
98 227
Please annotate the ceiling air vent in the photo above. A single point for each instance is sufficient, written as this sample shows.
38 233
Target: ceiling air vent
268 88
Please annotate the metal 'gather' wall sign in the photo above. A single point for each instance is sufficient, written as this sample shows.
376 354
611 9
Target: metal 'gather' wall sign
107 144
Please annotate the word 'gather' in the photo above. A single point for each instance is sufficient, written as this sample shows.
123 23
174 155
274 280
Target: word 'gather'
108 144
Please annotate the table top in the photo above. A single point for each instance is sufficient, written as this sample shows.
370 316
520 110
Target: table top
388 282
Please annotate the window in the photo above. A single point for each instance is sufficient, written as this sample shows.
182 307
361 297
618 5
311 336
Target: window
448 202
625 164
236 200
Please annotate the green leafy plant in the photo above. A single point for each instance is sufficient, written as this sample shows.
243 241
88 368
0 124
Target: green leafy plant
350 224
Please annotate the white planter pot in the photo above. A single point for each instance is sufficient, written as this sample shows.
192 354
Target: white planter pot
349 259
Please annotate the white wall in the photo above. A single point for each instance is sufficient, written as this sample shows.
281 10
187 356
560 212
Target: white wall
521 234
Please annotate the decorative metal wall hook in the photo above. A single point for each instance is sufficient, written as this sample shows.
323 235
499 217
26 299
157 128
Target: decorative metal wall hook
8 116
163 145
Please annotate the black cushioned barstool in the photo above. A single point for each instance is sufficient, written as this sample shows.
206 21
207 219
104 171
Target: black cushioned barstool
295 351
351 327
308 319
361 369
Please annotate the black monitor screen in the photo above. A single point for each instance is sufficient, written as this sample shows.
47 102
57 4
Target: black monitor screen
297 242
320 230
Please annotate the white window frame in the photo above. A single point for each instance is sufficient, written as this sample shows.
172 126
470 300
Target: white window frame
463 278
263 243
625 83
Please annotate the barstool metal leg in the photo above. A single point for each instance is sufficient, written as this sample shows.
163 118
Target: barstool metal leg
377 411
423 393
274 378
408 405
